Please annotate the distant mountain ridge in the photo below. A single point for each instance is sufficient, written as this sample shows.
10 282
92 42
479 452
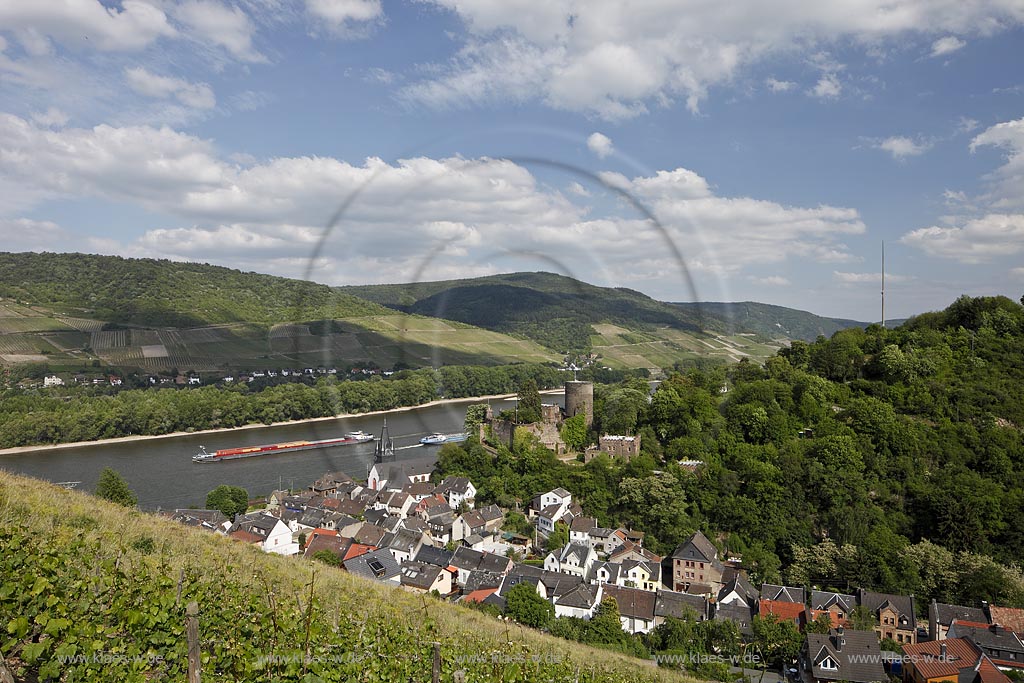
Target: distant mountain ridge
555 309
772 321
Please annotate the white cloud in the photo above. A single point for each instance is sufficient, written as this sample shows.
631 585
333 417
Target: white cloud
51 118
967 124
81 23
1017 273
613 59
776 85
868 278
578 190
828 87
1008 180
600 144
771 281
25 234
901 147
217 24
196 95
979 240
946 45
345 16
451 211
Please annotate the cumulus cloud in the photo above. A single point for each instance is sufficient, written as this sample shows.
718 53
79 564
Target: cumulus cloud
901 146
1008 180
828 87
946 45
78 23
450 210
776 85
214 23
613 59
771 281
25 234
51 118
867 278
600 144
345 17
978 240
196 95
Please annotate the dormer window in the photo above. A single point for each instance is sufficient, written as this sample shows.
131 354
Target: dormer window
829 664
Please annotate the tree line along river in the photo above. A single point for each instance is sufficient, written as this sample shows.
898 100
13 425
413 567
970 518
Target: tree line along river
162 474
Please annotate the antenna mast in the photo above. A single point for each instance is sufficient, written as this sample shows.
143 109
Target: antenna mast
883 283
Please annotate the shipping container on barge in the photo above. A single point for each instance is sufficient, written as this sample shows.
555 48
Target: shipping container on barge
287 447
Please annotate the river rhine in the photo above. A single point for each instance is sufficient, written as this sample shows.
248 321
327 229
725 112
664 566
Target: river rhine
162 474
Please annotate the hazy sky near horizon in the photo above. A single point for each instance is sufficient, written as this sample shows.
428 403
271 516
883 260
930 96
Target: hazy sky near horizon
746 150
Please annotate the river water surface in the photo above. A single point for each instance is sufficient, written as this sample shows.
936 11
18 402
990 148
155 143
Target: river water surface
162 474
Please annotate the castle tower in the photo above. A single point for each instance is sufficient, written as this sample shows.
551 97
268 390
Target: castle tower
384 451
579 398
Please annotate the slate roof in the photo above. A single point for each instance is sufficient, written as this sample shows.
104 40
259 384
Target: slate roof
369 534
859 646
698 548
459 485
480 580
783 593
578 551
904 604
583 525
582 596
633 602
945 614
823 600
379 565
672 604
741 587
433 555
419 575
743 616
995 640
560 492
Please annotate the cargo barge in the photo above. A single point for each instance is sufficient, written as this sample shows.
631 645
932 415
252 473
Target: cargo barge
287 447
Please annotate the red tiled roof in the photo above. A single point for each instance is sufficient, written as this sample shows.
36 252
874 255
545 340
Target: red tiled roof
246 536
785 611
832 616
357 549
1008 617
926 657
988 672
480 595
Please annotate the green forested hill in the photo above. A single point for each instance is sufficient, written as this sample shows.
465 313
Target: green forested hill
770 320
160 293
557 311
888 459
554 310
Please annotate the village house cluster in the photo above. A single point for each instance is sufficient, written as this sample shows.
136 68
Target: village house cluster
403 529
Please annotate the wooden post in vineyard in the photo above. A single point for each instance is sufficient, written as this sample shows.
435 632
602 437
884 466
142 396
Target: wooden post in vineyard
435 674
192 632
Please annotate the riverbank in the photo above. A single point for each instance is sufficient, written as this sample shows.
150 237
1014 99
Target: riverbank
149 437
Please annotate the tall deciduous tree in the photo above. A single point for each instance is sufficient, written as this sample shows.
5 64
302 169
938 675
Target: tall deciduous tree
231 500
113 487
529 407
524 605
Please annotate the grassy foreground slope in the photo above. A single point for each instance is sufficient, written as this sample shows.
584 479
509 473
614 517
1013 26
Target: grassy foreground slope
90 592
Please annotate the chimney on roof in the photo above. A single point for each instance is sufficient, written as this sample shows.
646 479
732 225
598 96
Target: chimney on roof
840 640
942 650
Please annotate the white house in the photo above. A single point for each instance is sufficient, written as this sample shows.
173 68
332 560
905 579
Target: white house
575 559
270 533
457 490
52 381
580 602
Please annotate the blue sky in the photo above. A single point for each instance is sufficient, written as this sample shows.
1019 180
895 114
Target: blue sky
775 145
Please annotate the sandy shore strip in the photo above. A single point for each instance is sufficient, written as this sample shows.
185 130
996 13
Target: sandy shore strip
145 437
